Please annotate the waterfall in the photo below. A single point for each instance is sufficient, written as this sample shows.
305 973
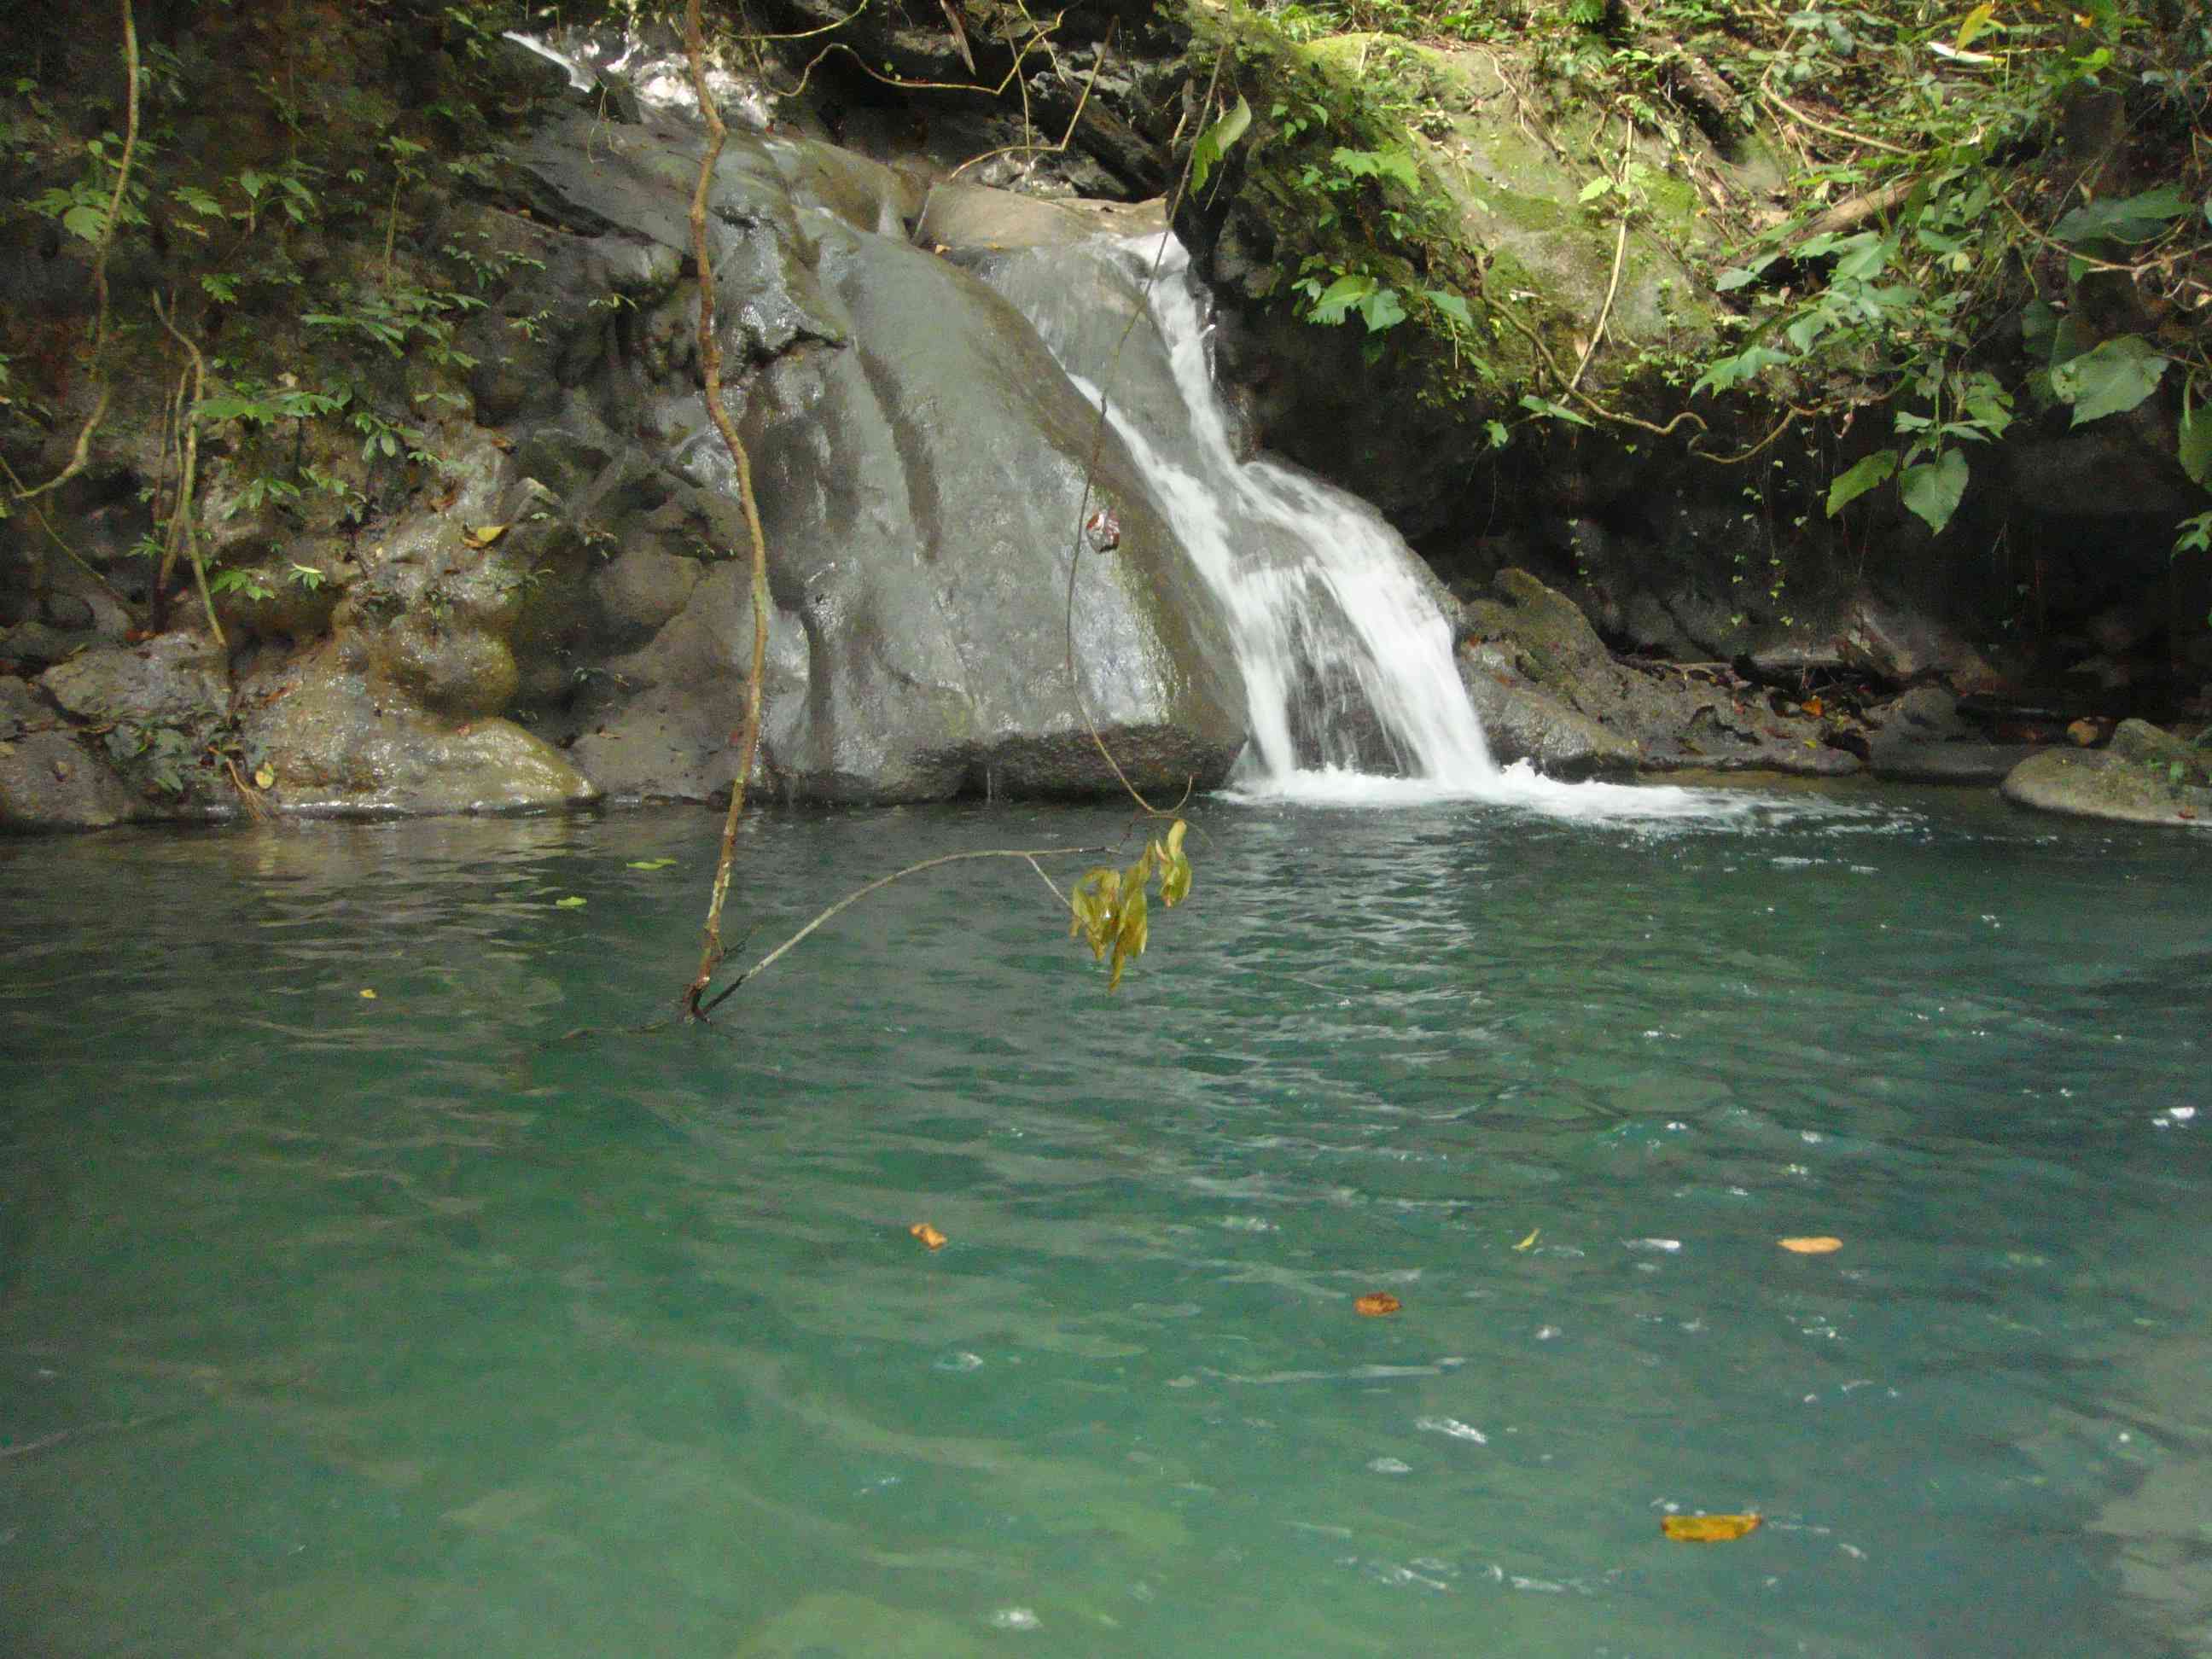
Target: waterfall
1339 630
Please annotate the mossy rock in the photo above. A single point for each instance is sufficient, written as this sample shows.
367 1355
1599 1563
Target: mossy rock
2144 776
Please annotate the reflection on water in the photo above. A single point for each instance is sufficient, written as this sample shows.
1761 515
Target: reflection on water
417 1324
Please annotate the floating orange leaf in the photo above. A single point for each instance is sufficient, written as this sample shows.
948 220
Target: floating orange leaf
1707 1528
1817 1246
928 1235
1376 1303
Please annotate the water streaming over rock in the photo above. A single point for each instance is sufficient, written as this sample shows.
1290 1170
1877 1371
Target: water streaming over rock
1339 630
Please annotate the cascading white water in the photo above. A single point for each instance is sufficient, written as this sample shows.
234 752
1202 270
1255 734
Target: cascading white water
1346 654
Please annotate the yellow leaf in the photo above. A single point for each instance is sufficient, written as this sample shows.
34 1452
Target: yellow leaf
1130 935
1820 1245
367 994
1707 1528
481 536
1092 909
1175 881
928 1235
1528 1243
265 776
1976 21
1376 1303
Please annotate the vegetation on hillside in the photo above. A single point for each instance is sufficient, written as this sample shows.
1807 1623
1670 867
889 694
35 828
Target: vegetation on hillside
1990 212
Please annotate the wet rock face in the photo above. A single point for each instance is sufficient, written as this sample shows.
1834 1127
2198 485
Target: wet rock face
47 780
920 465
1550 692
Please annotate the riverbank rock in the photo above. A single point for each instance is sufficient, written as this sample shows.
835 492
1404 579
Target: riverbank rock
1921 738
48 780
2145 775
1546 684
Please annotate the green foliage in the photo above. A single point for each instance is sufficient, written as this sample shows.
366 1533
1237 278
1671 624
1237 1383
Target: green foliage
1215 142
1959 232
1330 158
1108 908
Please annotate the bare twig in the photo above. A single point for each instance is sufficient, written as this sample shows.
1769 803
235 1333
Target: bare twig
182 535
82 449
881 882
1066 138
1855 210
1619 257
710 364
1776 103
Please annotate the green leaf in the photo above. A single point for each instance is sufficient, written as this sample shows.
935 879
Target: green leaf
1865 256
220 285
1393 164
2127 219
571 903
2195 449
1382 309
649 864
1213 144
1553 410
2111 379
1933 491
1336 302
1743 275
85 221
1499 437
1862 476
1725 374
1452 305
1598 187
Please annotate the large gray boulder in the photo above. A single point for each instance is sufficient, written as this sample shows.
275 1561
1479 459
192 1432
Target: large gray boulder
920 464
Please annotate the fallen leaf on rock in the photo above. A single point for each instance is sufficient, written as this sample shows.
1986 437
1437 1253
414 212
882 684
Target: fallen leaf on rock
1815 1246
928 1235
481 536
1707 1528
1376 1303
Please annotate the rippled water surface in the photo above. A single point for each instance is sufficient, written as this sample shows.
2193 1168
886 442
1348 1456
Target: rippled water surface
431 1323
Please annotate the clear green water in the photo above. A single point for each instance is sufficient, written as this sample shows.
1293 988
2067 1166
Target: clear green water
333 1326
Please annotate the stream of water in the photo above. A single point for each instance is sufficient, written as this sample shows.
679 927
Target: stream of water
463 1319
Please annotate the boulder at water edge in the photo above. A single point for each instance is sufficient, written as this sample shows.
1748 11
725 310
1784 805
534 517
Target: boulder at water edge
2145 775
